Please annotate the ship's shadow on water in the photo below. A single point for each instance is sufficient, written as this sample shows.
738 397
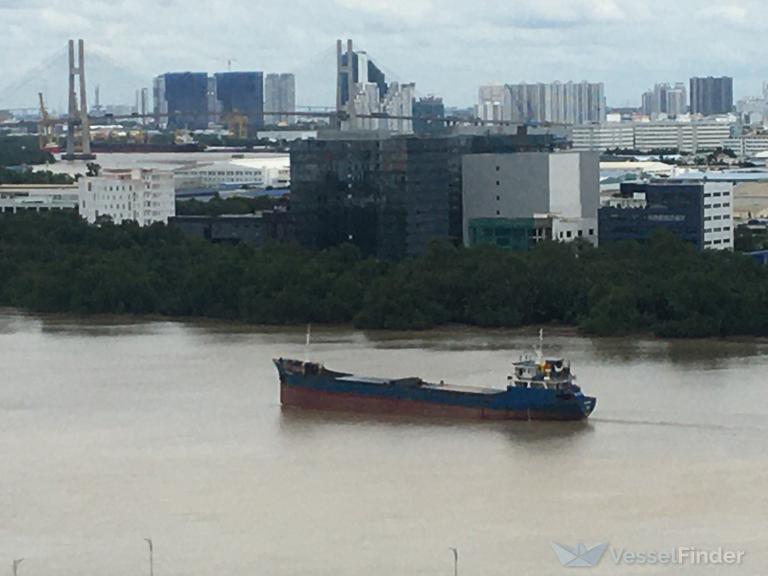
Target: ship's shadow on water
300 421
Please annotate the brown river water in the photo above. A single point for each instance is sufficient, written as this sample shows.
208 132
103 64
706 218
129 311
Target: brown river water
113 430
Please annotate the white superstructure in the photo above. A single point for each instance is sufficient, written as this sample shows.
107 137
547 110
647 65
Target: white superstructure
141 196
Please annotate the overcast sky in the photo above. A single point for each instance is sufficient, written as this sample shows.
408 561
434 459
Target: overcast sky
448 47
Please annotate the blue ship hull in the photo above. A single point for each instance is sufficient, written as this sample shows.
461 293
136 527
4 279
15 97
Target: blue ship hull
310 385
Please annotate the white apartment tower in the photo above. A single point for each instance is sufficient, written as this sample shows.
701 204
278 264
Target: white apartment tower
493 103
556 102
131 195
665 101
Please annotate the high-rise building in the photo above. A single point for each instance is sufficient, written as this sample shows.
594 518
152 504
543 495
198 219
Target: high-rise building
182 100
665 100
557 103
390 197
365 98
241 93
711 96
655 100
493 103
677 100
280 96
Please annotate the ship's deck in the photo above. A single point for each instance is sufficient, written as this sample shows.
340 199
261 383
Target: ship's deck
364 380
425 386
462 389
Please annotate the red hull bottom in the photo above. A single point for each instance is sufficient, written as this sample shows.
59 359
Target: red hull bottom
339 402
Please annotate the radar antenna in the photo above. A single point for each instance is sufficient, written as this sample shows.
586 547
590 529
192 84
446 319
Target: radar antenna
306 345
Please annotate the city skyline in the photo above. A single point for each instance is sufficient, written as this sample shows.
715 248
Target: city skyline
418 40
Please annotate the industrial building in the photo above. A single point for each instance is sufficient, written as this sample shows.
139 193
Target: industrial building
697 212
266 171
517 200
748 145
693 137
37 198
390 197
280 96
129 195
606 136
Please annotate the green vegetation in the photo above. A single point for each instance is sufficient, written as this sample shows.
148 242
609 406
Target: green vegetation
56 263
22 150
217 206
27 176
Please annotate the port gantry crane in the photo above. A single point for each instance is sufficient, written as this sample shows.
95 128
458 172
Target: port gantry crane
46 129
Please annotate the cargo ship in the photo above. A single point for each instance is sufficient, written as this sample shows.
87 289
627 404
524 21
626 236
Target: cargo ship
538 389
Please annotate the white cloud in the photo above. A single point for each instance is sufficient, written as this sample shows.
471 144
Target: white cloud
402 9
732 13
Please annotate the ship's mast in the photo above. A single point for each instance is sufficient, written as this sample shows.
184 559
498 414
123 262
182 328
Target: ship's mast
306 345
540 350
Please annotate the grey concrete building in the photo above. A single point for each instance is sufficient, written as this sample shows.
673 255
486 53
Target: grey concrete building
510 197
